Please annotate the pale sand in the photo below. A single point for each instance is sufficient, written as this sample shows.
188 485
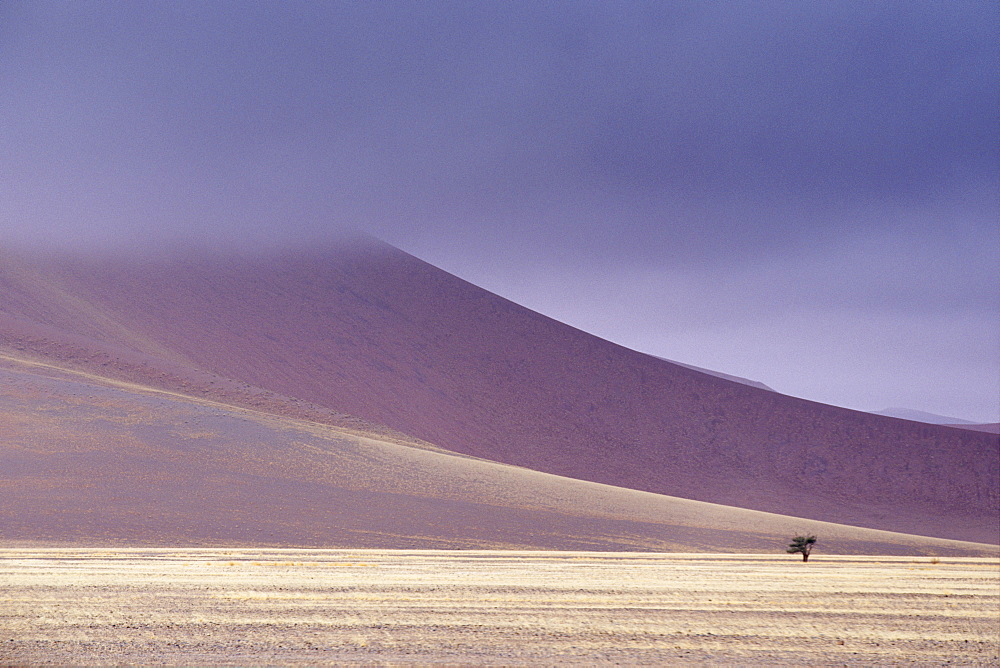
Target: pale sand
375 607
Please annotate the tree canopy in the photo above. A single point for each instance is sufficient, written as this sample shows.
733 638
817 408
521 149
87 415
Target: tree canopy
803 545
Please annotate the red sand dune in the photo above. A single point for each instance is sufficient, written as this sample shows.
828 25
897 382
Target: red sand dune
375 333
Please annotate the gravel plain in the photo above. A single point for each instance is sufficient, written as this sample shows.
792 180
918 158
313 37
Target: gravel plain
250 607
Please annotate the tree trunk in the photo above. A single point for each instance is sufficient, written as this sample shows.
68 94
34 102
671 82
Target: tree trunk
805 556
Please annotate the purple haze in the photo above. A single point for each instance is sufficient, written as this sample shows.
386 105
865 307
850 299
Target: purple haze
805 194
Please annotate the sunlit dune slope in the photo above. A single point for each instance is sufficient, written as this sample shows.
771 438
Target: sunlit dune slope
87 461
372 332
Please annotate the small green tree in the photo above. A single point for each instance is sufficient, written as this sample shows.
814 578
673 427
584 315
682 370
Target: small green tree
803 544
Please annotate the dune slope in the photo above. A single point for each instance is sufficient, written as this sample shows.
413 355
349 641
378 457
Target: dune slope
90 461
372 332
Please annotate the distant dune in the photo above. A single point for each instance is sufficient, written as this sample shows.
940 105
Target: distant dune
719 374
920 416
990 428
368 336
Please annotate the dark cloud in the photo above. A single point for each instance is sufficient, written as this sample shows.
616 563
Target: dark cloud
449 109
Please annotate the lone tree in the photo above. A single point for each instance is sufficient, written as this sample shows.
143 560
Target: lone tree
803 544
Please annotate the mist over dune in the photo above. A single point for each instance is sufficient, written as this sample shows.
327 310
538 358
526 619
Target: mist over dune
368 333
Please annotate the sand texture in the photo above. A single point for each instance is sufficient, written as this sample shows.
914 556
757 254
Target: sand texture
254 607
371 337
89 462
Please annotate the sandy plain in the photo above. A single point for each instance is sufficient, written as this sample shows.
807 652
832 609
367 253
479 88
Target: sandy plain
229 607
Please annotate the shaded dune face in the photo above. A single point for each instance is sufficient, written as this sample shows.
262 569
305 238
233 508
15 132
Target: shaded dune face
87 460
373 332
990 428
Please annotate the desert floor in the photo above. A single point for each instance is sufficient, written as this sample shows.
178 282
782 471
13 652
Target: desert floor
376 607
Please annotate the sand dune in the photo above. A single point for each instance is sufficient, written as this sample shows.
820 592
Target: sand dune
920 416
86 461
373 333
989 428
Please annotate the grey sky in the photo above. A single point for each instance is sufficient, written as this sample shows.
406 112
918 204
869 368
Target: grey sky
802 193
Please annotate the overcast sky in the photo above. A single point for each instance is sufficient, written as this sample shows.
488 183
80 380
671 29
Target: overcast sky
803 193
